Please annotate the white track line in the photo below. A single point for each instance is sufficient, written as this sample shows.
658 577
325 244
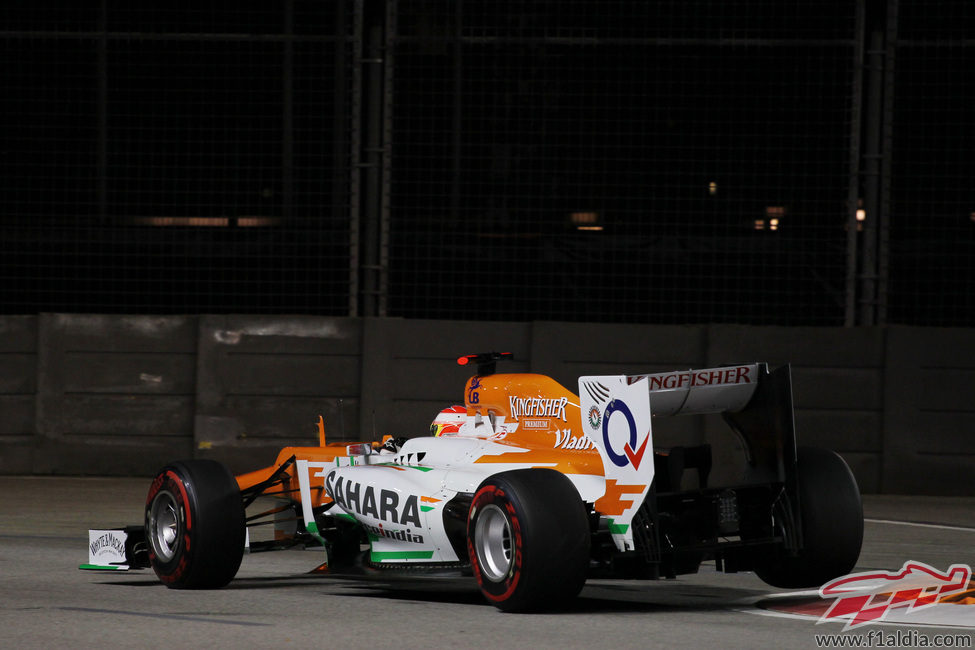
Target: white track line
919 525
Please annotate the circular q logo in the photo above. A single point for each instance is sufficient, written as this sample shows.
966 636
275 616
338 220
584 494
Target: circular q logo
616 406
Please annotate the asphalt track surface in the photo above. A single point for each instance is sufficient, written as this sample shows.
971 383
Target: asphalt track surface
46 601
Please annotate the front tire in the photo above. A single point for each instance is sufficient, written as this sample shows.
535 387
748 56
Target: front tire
832 524
528 540
194 525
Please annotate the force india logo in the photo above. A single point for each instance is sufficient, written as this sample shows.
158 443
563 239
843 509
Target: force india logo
539 407
594 418
401 535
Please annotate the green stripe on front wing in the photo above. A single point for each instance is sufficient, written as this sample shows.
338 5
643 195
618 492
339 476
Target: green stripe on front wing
103 567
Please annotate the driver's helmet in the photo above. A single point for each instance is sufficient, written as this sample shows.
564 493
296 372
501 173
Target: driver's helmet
449 421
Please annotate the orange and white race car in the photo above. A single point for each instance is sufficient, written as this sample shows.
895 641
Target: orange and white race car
531 489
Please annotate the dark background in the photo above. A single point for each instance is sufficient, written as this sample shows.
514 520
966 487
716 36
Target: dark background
425 158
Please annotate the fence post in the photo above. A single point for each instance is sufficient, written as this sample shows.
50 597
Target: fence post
287 113
886 148
387 156
346 143
101 162
871 176
374 203
853 190
457 117
876 166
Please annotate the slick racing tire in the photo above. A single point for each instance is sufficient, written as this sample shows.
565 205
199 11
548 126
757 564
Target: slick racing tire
195 525
528 540
832 524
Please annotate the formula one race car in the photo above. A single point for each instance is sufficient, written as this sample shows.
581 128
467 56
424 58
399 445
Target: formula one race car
529 488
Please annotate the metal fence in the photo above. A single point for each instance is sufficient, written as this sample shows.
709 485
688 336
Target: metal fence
748 161
930 171
178 158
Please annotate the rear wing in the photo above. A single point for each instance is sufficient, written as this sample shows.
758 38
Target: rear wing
710 390
754 401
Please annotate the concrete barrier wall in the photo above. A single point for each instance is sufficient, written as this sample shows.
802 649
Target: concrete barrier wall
121 395
263 381
18 393
928 431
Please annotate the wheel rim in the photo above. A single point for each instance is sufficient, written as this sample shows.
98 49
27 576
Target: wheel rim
164 527
492 540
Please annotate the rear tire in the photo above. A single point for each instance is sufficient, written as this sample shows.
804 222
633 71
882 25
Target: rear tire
832 524
528 540
194 525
